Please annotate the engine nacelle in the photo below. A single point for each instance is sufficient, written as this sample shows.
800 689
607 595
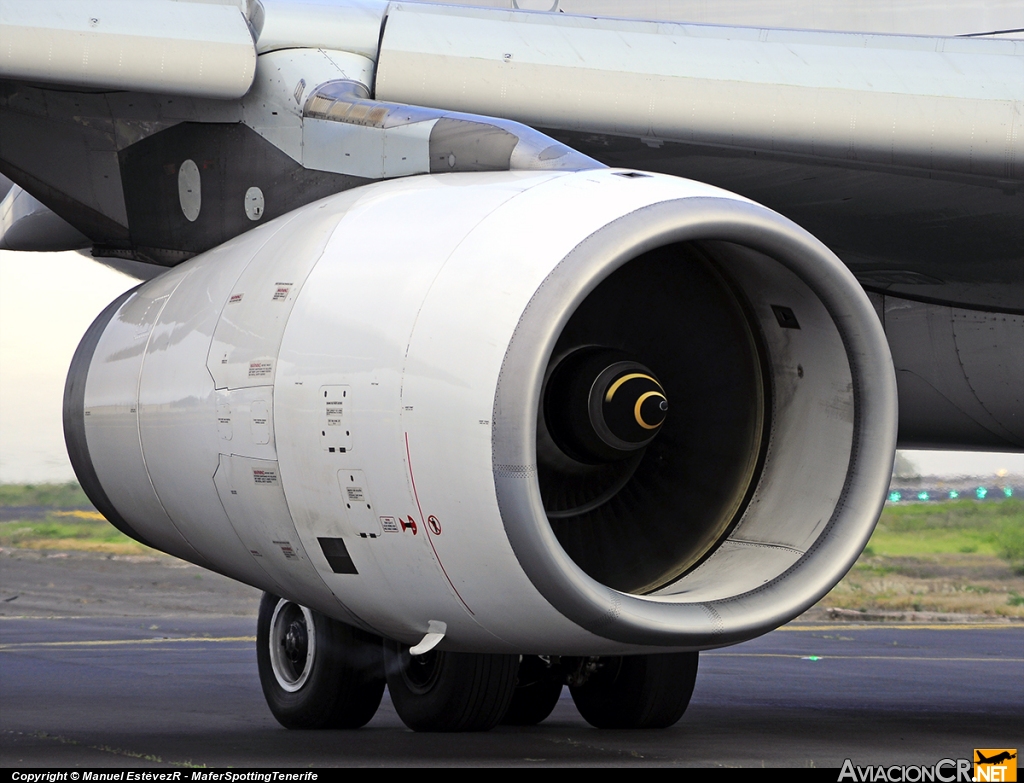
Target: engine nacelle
558 413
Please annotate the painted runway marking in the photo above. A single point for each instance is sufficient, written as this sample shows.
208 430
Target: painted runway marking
817 628
864 657
908 627
252 639
119 642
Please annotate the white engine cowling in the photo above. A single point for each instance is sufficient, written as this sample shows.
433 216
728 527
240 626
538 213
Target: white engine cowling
377 406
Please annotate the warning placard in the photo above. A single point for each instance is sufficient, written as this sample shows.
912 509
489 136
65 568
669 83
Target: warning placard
264 476
260 369
287 550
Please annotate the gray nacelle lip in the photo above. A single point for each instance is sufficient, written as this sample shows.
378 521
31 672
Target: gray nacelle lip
634 619
74 418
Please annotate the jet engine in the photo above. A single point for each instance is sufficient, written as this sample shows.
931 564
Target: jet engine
591 413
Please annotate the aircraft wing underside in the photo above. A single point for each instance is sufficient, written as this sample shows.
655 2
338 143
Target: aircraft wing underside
903 154
906 156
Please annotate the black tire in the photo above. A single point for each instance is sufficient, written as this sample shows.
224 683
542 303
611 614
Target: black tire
637 691
336 685
538 687
445 691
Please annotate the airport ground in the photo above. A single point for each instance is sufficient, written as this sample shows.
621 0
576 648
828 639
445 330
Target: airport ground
118 657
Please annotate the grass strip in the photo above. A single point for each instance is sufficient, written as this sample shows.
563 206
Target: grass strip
957 556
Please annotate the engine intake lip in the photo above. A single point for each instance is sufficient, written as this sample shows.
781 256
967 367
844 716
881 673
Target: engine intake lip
674 622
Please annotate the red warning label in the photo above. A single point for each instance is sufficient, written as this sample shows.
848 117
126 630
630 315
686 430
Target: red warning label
260 369
287 550
264 476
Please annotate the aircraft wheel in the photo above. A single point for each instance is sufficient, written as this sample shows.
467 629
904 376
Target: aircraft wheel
637 691
538 686
446 691
316 673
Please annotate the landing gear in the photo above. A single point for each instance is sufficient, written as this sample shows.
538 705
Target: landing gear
316 673
634 692
538 686
445 691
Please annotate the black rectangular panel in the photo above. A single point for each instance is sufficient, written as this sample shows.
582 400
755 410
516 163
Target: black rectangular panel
336 552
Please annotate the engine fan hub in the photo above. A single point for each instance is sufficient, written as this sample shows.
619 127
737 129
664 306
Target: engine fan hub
627 406
601 406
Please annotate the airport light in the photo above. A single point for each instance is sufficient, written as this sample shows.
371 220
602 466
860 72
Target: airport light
895 497
953 494
981 492
1008 491
922 496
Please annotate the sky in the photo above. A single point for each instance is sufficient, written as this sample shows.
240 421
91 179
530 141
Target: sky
48 300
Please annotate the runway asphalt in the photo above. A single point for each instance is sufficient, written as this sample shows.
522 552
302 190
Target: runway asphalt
183 691
148 661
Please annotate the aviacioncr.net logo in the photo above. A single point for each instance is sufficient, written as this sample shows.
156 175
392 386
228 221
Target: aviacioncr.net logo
998 765
943 771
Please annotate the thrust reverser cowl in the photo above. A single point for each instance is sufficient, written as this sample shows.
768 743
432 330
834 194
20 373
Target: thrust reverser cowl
349 406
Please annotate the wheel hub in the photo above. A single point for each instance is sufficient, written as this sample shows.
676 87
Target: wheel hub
420 672
296 642
292 645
